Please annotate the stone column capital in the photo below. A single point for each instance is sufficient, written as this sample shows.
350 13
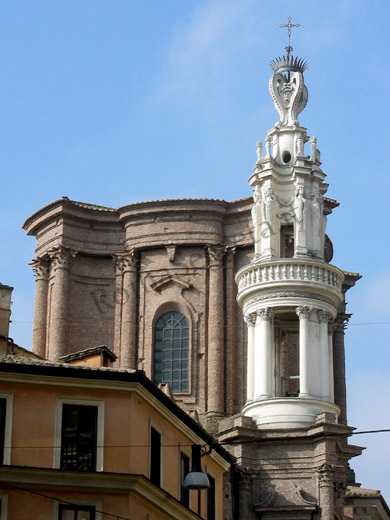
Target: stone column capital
326 475
61 257
265 314
230 253
341 322
126 261
41 268
215 253
330 327
250 318
324 316
303 311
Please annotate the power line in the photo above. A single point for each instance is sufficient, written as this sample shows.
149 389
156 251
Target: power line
363 432
99 317
57 500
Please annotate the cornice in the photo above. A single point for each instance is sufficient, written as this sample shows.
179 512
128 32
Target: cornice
149 401
139 485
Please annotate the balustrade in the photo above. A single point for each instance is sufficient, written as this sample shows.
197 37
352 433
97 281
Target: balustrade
282 271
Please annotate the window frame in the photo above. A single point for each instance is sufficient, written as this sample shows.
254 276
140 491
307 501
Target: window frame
158 316
186 454
77 508
97 504
4 506
210 474
99 403
157 428
9 398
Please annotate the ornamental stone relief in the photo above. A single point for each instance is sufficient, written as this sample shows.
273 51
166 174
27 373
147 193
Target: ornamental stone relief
287 294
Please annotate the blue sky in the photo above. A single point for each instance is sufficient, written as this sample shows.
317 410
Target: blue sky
112 102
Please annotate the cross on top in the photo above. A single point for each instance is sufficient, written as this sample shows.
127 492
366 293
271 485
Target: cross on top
289 25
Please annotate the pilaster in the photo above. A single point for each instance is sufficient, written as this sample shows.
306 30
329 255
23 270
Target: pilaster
326 491
216 369
128 264
60 258
230 333
323 320
340 389
41 269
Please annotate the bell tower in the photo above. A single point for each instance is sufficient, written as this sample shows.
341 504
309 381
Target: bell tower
289 293
290 438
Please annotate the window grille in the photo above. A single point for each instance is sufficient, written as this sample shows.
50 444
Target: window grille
79 437
171 351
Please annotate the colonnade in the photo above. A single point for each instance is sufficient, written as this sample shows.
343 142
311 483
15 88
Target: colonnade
315 354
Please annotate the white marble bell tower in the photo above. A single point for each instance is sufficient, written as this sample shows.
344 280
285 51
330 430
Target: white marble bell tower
289 293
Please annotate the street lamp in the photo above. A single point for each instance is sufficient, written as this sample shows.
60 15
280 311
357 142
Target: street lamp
196 478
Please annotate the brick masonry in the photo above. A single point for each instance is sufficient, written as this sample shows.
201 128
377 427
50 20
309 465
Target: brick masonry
104 276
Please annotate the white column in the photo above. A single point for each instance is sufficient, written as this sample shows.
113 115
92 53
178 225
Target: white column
263 354
323 318
304 312
250 320
330 350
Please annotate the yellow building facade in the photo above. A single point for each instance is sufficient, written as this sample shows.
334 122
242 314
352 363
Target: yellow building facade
93 443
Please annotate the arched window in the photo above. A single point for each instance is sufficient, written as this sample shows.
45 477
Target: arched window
171 351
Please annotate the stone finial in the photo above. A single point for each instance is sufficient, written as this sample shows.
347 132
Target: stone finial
259 150
313 148
290 96
268 146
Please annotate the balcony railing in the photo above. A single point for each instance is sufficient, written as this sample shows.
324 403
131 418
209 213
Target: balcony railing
291 270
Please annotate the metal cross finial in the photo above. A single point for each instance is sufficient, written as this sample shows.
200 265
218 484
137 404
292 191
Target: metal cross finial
289 25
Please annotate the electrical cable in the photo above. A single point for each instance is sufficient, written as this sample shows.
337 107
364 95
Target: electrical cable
222 443
56 500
